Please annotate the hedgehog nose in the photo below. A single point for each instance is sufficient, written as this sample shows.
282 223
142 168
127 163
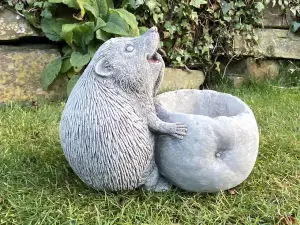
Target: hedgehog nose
153 29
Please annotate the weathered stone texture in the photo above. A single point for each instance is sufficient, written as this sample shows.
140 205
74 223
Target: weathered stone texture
262 68
274 43
275 17
14 26
20 73
175 79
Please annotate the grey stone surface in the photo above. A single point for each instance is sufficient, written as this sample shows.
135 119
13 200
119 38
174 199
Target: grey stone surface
254 68
175 79
275 17
108 120
20 73
221 145
14 26
272 43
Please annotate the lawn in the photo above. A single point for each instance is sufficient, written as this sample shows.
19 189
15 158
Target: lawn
38 187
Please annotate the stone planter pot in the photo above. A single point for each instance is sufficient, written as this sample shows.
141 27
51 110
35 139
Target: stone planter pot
221 146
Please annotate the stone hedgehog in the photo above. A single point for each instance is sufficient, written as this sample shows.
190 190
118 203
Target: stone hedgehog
107 123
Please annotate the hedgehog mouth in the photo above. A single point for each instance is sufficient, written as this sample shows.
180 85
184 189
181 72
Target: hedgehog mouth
153 58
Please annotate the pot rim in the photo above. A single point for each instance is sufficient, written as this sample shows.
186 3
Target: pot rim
247 110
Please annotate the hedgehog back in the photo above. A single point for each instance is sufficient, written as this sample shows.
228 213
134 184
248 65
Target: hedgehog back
105 138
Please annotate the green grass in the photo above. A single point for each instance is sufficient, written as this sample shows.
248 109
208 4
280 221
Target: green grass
38 187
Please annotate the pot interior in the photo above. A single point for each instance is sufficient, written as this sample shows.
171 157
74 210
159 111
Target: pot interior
206 103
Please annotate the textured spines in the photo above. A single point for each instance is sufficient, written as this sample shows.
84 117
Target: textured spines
107 144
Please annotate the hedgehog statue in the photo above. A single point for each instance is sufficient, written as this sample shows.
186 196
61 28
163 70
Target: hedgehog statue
109 121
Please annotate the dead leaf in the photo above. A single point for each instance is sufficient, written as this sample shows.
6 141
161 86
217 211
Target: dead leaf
166 34
232 191
35 104
1 200
68 186
215 6
287 220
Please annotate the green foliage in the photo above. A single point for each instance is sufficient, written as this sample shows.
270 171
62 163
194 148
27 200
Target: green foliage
51 72
72 83
83 25
289 74
37 186
79 60
196 32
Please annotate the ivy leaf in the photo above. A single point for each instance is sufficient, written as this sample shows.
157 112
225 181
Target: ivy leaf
240 4
45 4
19 7
198 3
50 72
70 3
158 17
226 6
46 13
66 65
259 6
129 19
79 60
151 4
116 25
171 28
71 83
227 18
194 16
295 26
135 3
38 4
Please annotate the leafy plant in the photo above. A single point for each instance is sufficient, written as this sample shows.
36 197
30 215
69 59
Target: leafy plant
83 25
196 33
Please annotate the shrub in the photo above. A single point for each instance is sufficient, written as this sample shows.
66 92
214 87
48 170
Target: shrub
195 33
83 25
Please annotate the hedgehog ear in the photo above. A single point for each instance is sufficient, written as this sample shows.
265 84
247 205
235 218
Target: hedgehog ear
104 68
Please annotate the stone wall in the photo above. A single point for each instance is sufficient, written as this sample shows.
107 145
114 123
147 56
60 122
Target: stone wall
23 59
24 55
275 41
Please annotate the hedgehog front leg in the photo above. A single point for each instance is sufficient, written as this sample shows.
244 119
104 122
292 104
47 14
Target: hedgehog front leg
177 130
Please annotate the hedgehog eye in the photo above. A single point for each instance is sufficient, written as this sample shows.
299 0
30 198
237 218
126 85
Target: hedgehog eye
129 48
